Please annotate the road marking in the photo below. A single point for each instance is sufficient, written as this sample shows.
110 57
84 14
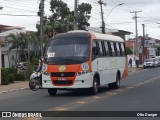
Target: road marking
88 100
111 93
13 90
130 87
97 97
80 102
119 90
136 85
141 83
60 109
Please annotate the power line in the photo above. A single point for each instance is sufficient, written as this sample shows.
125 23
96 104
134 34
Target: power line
18 8
17 15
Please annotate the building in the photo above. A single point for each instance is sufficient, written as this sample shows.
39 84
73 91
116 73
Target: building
146 47
8 58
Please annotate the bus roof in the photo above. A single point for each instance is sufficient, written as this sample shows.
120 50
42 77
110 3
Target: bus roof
100 36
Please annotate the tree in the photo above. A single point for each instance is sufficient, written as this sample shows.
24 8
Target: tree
13 43
128 51
62 19
22 43
84 11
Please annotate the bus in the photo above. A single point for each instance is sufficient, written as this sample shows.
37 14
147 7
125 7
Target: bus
83 60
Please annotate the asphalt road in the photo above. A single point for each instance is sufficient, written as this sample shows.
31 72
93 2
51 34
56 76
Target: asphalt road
138 92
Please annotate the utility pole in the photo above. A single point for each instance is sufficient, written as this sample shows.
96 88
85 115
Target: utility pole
75 14
143 42
103 24
0 58
136 30
41 26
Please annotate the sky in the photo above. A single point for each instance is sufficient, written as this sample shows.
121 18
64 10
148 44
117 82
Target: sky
115 16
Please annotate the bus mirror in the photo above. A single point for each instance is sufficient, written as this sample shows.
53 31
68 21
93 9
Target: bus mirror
95 50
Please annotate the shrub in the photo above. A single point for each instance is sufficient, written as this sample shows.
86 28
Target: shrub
11 78
5 77
11 70
19 77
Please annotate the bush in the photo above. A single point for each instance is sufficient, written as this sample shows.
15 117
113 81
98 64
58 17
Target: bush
8 75
19 77
5 77
11 78
11 70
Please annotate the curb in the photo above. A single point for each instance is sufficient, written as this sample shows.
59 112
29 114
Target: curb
135 69
13 90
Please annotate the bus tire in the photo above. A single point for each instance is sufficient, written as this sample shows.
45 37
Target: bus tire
94 89
115 85
52 91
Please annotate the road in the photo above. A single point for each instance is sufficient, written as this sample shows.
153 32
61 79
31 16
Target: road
138 92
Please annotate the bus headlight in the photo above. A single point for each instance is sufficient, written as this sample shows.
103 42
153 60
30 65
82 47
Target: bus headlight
82 72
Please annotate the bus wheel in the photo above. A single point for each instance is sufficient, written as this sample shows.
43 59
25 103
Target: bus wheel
52 91
115 85
94 89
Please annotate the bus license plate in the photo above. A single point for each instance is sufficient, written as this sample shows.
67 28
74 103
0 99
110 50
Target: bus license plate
62 79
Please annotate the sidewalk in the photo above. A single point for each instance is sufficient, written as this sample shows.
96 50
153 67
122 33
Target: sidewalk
134 68
20 85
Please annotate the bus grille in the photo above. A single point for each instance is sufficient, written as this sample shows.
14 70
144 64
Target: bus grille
61 82
62 74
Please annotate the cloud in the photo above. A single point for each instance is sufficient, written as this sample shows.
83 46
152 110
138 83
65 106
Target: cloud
141 2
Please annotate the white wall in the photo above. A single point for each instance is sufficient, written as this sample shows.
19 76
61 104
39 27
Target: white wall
133 59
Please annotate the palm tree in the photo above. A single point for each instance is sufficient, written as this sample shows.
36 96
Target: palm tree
13 43
22 42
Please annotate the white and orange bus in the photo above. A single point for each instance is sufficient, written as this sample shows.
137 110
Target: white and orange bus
82 59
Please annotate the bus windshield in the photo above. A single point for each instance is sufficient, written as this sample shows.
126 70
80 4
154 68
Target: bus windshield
67 51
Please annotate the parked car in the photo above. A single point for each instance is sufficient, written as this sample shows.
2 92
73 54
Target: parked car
158 62
148 63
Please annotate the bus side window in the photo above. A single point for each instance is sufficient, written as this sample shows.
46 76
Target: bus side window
106 48
100 48
120 49
123 49
115 49
95 50
103 48
110 48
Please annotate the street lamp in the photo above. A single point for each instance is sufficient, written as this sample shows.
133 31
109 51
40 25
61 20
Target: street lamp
113 9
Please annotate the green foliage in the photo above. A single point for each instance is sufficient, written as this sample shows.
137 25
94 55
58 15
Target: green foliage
5 77
19 77
22 42
11 70
9 75
11 78
62 19
128 51
84 10
158 48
